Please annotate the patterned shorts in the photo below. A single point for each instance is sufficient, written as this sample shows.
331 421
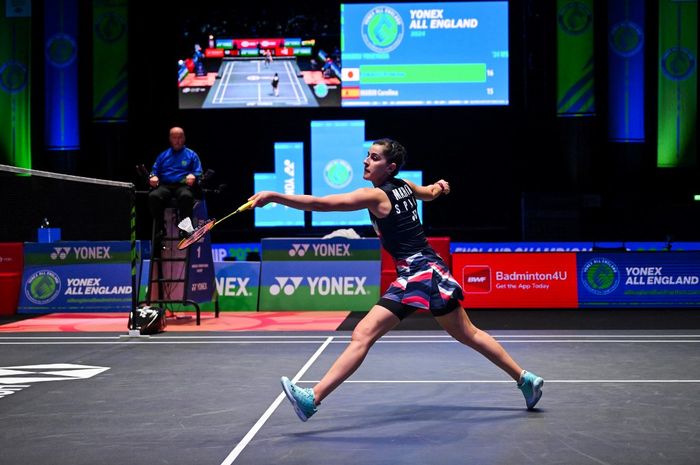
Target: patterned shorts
423 282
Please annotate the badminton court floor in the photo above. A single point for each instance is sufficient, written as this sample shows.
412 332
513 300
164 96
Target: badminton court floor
610 397
246 83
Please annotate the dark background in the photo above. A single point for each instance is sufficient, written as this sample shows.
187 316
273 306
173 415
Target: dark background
517 172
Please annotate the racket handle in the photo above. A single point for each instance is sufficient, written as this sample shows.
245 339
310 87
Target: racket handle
245 206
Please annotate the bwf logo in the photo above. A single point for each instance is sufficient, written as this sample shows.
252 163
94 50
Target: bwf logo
476 279
298 249
60 253
286 284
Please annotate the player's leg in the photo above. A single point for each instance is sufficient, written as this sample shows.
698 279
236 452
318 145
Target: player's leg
460 327
374 325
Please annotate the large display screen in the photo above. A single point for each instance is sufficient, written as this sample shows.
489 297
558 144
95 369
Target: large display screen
425 54
358 55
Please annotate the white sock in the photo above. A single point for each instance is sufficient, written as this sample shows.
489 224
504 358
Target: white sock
522 376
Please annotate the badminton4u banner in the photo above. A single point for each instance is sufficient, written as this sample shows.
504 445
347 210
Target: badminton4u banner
517 280
76 277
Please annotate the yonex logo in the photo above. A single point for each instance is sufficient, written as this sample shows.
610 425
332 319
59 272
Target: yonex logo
288 284
298 249
82 253
476 279
60 253
232 286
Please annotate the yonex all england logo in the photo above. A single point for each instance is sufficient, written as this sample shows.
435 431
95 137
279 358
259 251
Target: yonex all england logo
337 173
575 18
13 76
110 26
678 63
382 29
287 284
626 38
298 250
16 378
600 276
61 50
42 287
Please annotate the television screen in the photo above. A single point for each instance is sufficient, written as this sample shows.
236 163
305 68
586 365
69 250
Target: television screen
424 54
345 55
244 55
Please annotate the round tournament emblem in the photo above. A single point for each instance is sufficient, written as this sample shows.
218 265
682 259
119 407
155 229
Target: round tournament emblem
337 173
110 26
321 90
382 29
575 18
13 76
61 50
42 287
677 63
626 38
600 276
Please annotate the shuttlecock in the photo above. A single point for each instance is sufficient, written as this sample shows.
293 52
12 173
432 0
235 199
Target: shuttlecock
346 233
186 225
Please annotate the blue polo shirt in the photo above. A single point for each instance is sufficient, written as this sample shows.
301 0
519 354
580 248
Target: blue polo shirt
172 167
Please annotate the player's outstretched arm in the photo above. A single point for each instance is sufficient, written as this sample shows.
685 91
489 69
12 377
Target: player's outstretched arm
431 191
372 199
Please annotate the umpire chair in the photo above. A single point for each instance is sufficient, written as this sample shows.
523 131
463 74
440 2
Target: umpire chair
181 277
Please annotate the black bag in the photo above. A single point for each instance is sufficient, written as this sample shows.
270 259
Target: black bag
147 319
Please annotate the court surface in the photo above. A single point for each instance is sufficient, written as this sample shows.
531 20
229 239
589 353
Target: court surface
610 397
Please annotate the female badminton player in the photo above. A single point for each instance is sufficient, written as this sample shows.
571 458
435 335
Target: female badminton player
423 282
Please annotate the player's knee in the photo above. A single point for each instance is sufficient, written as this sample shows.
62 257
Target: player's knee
362 335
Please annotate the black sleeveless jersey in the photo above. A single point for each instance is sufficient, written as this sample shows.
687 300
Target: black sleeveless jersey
400 231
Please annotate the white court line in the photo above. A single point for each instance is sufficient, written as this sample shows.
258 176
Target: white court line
218 95
487 381
416 337
300 85
271 409
148 341
227 84
172 336
30 341
218 88
293 81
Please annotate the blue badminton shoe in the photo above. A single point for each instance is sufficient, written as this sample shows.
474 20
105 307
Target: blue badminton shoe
302 399
531 387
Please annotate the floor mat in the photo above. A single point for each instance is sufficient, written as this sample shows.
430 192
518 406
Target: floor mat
185 321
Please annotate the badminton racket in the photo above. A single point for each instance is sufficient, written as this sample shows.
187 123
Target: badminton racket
198 233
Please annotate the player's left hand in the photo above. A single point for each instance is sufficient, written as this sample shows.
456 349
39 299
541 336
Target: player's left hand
444 186
190 180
